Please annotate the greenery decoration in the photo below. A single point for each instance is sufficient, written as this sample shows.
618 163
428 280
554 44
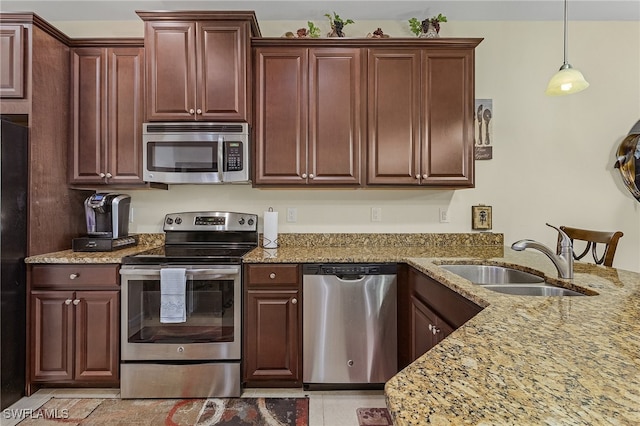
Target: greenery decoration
417 26
314 32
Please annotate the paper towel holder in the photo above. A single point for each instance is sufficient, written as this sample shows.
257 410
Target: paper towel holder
270 232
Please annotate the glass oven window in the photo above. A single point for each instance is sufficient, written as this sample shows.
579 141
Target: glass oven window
209 311
182 156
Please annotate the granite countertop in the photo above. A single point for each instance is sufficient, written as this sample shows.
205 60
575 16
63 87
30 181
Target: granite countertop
522 360
145 242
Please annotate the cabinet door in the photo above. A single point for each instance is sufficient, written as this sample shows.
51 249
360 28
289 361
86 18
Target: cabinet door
97 343
427 328
125 83
281 116
107 85
12 57
422 321
272 338
393 85
448 136
170 70
222 70
52 336
335 99
88 116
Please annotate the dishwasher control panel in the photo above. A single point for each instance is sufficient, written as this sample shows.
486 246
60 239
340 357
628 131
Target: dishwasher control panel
349 269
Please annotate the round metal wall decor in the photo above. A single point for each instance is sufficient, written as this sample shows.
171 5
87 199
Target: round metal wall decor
628 161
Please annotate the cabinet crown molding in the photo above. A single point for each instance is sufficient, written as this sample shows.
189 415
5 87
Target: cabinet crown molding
203 15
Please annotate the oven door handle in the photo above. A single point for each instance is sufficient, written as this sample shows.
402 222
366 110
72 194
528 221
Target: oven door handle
213 273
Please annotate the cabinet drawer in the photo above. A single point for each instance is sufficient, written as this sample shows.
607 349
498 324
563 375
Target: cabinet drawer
272 274
74 276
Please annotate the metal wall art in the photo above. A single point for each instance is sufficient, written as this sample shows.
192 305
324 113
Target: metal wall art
628 161
484 129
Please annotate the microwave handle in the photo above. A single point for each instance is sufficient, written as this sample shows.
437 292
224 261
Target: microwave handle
220 157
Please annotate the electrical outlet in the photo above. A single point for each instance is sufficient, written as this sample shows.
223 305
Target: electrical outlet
444 215
292 214
376 214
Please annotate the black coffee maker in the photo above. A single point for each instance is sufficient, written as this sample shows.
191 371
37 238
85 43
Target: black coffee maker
107 216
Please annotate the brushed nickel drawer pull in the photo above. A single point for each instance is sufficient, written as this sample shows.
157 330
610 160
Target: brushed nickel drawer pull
74 276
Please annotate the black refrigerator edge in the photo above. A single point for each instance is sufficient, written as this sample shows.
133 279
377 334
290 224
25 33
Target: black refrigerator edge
14 186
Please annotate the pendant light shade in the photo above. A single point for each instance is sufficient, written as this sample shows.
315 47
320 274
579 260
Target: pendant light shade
568 80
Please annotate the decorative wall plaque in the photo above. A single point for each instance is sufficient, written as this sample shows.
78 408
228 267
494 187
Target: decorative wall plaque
481 217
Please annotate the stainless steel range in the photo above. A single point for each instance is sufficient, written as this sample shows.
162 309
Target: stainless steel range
181 308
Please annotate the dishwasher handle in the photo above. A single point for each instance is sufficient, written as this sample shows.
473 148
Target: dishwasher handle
350 277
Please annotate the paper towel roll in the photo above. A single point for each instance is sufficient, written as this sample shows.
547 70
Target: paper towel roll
270 234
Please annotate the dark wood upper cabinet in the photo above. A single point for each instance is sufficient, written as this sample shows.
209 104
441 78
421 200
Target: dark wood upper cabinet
45 106
308 116
398 111
447 130
197 65
107 115
420 112
394 116
12 61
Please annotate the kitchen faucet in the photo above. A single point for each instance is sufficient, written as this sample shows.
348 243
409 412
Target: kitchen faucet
563 261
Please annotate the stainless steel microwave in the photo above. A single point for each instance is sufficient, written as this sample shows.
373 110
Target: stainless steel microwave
196 152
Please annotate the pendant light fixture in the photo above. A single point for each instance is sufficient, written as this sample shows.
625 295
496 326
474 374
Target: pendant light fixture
568 80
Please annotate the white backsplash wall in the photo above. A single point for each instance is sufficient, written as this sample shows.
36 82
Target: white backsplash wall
552 157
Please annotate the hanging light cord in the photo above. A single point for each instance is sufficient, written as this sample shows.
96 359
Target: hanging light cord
565 63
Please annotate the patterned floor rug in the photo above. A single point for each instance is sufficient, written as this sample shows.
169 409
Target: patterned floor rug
374 417
171 412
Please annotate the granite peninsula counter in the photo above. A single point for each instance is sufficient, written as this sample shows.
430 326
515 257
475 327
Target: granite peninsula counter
521 361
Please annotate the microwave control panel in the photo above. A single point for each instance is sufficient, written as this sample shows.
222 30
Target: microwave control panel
233 156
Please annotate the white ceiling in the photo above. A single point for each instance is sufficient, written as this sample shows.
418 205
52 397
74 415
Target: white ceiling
460 10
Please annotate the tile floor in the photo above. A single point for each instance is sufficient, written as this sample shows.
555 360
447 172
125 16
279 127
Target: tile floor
326 408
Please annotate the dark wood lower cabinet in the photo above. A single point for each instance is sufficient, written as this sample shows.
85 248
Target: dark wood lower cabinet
427 328
75 337
74 329
272 339
428 311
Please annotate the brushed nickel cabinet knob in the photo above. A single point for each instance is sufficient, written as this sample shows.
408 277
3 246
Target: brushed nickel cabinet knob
272 275
74 276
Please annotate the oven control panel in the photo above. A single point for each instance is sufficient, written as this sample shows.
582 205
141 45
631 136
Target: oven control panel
210 221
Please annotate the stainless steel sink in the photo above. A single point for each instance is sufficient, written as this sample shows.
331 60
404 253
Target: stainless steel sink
492 274
532 290
503 279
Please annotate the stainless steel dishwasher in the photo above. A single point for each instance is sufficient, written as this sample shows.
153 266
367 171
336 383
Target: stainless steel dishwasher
349 325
